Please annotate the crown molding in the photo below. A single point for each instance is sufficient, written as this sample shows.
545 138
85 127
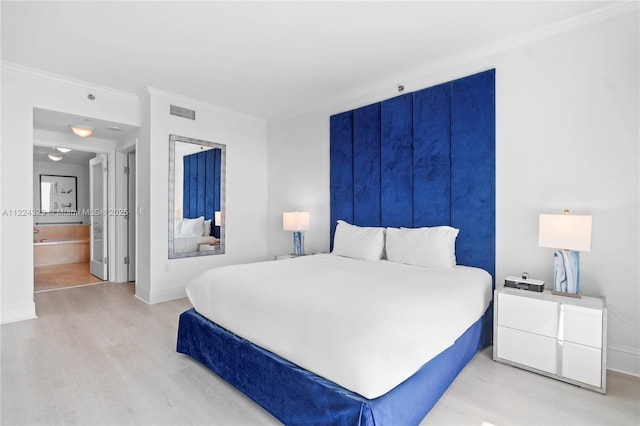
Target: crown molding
64 79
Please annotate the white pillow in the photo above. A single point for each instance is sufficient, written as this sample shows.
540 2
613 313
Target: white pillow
428 247
207 228
358 242
192 227
177 226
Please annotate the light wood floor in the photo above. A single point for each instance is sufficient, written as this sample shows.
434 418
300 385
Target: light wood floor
96 355
53 277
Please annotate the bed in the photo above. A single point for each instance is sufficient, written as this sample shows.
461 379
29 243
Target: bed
189 244
190 233
399 168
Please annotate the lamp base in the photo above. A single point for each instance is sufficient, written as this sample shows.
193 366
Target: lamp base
566 272
298 243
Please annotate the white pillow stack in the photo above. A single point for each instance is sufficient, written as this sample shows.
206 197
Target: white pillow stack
177 226
429 247
358 242
192 227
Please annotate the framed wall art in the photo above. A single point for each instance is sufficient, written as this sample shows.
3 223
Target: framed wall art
58 194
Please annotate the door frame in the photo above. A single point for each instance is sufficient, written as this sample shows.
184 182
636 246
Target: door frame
122 233
111 189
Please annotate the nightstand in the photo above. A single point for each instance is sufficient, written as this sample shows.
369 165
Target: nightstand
557 336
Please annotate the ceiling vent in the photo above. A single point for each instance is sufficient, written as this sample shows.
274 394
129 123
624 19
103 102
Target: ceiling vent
183 112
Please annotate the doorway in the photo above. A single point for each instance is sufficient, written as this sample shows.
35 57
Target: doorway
62 227
110 250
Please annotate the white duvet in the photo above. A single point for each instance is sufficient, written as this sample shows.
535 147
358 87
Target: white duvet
365 325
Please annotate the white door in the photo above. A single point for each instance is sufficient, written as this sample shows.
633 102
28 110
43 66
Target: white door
98 205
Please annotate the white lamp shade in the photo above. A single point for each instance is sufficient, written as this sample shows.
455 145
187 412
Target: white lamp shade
217 218
565 231
295 221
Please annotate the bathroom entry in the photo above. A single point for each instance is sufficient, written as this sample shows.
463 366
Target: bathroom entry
99 260
62 238
66 144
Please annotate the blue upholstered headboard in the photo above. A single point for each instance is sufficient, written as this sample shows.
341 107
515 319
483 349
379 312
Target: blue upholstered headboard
425 158
201 186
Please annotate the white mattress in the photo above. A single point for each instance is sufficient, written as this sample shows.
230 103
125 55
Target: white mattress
365 325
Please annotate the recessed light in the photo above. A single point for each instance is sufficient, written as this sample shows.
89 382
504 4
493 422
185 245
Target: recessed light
63 150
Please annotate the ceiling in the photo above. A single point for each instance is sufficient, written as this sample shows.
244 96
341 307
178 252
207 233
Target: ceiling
60 123
267 59
72 157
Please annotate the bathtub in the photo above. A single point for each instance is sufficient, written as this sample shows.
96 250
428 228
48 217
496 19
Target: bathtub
60 244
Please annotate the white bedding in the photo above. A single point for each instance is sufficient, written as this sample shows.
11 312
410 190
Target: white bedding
189 244
365 325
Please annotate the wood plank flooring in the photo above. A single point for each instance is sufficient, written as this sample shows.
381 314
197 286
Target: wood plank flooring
52 277
96 355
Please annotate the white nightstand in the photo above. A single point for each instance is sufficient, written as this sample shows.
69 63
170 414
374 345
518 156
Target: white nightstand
560 337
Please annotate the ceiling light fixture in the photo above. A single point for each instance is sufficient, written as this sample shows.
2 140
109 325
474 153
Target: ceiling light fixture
63 150
54 156
82 131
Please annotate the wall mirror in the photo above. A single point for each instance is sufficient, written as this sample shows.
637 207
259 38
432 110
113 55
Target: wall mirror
196 197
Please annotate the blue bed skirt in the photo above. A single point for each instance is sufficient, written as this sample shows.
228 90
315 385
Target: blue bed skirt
296 396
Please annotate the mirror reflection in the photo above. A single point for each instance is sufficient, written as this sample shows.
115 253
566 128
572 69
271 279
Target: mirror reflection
196 197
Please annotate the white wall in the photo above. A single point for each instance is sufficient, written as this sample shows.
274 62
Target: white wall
22 90
567 137
245 138
82 189
299 180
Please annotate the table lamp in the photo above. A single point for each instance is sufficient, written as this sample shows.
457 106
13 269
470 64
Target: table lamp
296 222
569 235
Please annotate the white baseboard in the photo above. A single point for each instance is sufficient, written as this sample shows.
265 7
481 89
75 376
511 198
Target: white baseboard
167 294
20 313
151 297
623 359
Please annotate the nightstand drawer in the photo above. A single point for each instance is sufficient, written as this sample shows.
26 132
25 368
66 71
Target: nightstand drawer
582 325
528 314
582 363
529 349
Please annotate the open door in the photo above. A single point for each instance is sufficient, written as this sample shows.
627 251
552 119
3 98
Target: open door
98 205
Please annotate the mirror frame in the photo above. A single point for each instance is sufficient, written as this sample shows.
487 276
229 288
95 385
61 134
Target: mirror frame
172 170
